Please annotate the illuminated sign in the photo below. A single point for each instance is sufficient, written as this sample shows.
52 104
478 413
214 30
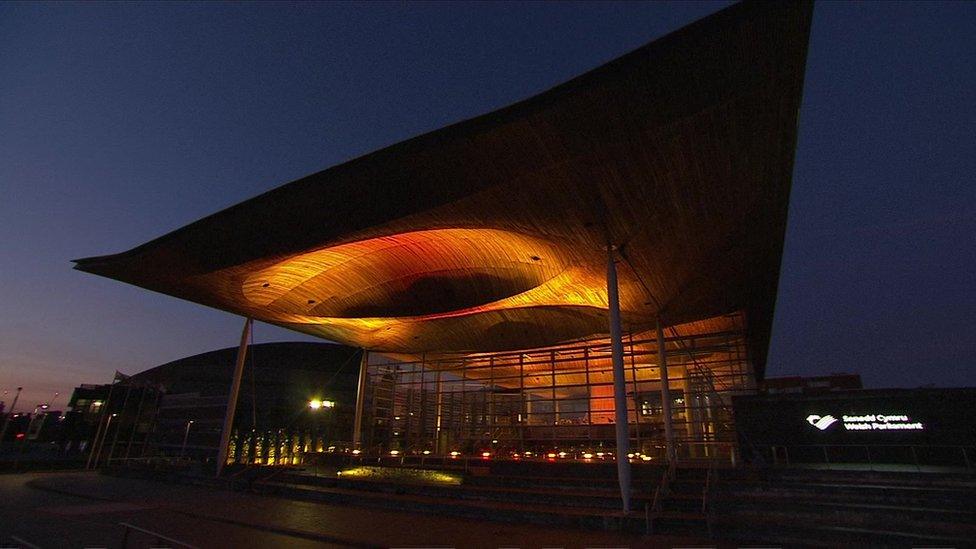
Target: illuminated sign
867 422
821 422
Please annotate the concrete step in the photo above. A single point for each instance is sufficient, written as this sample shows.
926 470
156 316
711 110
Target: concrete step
606 483
561 515
893 499
858 515
679 522
790 529
946 497
574 497
682 503
786 476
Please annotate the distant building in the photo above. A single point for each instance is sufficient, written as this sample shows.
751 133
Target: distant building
82 416
177 409
811 385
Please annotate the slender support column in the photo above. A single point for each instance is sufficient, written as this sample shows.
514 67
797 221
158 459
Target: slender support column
235 389
135 424
523 416
439 446
555 403
357 426
636 396
92 462
665 394
118 428
422 426
490 396
619 383
101 445
152 423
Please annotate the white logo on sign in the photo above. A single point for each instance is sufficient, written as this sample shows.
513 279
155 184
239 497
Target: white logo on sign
821 422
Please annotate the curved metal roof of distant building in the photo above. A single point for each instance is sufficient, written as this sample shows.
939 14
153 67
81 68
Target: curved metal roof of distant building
489 234
271 363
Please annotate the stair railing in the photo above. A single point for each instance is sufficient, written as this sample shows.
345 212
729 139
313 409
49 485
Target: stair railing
662 490
706 507
159 538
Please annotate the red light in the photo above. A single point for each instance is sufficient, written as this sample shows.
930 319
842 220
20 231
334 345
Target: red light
20 436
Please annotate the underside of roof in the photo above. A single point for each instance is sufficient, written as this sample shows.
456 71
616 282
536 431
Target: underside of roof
491 234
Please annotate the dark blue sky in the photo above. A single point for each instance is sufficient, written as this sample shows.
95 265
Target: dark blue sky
121 122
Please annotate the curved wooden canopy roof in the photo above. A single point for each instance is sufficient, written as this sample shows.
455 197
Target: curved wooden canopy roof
489 234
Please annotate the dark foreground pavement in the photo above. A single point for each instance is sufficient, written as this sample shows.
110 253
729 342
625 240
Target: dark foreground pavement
83 510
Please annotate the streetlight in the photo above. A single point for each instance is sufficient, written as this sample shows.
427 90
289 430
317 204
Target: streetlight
186 435
316 404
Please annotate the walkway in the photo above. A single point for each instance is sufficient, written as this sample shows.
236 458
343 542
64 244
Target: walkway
83 509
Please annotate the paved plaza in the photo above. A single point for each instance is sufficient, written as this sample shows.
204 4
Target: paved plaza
88 508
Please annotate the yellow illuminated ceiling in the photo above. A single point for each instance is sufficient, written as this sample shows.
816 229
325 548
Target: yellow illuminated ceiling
423 290
443 272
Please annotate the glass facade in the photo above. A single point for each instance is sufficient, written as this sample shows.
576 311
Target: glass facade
560 399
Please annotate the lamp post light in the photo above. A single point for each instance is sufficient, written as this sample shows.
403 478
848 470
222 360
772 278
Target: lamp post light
186 435
316 404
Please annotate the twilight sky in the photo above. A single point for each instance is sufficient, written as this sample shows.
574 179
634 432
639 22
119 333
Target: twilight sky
121 122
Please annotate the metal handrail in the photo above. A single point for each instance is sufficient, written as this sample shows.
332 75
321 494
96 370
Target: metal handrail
159 537
24 544
706 508
661 491
706 488
968 462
